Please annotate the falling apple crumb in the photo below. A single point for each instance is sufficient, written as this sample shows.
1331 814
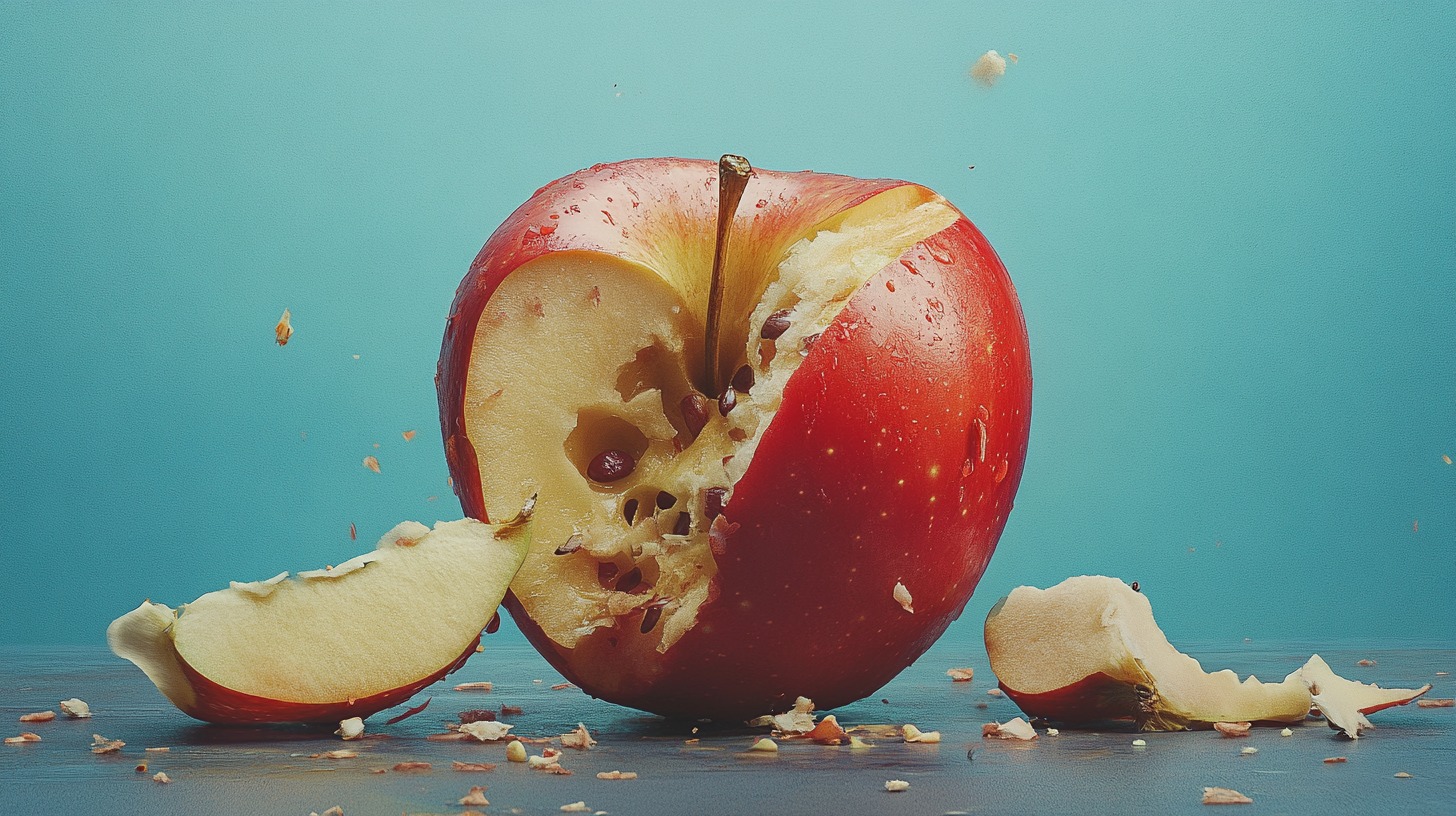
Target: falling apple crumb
408 435
161 777
1445 458
284 330
1238 729
351 729
617 775
896 785
990 67
75 708
1442 702
579 739
1404 775
371 463
102 745
25 736
407 767
961 675
479 686
1011 56
902 597
1225 796
1334 760
1016 728
575 807
475 798
39 716
913 734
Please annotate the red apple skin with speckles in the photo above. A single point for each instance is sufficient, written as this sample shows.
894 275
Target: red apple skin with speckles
894 458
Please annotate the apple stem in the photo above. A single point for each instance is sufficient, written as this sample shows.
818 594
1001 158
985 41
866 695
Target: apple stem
733 174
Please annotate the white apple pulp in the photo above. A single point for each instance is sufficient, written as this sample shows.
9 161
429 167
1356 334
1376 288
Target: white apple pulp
581 352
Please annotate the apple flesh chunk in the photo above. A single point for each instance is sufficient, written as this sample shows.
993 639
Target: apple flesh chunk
1345 703
346 641
1088 650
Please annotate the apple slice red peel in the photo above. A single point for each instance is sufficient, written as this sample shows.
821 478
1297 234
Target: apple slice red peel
347 641
1088 651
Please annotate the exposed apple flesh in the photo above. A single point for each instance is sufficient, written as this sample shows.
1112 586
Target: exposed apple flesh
1345 703
329 644
876 436
1088 650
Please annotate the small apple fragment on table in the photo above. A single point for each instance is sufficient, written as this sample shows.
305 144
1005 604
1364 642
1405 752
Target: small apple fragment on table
1088 651
334 644
693 480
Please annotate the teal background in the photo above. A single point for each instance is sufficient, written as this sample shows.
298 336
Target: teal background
1232 227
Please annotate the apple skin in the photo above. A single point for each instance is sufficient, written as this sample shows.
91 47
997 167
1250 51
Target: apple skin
218 704
869 474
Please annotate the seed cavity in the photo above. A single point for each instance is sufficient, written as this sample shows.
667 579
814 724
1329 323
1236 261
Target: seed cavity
684 524
652 614
630 581
629 511
775 326
665 500
714 500
606 573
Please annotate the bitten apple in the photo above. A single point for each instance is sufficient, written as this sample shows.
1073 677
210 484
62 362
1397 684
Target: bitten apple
794 498
330 644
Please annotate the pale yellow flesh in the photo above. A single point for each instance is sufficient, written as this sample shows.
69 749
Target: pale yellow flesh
378 622
624 344
1041 640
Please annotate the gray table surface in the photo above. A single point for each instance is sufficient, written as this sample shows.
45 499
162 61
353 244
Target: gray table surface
267 770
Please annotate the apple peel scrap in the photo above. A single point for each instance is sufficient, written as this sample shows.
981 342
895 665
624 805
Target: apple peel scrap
797 720
102 745
1088 650
1225 796
580 739
1017 729
24 737
328 645
39 716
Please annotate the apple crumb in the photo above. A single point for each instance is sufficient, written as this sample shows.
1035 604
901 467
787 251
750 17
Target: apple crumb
1437 702
1225 796
797 720
961 675
576 807
765 745
351 729
902 597
1365 662
617 775
141 767
157 750
485 730
372 463
1404 775
581 739
516 752
995 692
828 732
1016 728
284 330
914 734
1238 729
161 778
39 716
562 686
475 798
25 736
990 67
102 745
75 708
1334 760
478 686
472 766
405 767
896 785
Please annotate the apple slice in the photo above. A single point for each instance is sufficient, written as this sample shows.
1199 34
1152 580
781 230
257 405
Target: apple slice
1088 650
330 644
1346 702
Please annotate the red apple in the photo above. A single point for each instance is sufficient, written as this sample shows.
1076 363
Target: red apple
330 644
716 540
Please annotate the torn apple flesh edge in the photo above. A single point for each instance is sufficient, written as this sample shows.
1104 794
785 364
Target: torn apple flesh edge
278 624
1088 650
555 306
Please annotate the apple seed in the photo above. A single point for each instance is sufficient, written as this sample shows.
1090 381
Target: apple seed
695 412
743 378
728 401
630 581
572 545
610 465
714 501
775 326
